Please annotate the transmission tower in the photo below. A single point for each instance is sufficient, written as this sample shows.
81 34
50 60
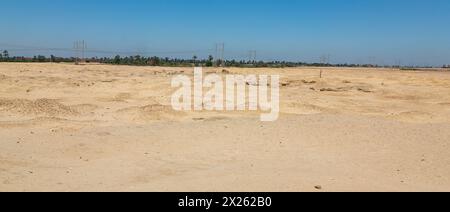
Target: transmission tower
325 59
373 61
398 63
220 53
80 51
252 56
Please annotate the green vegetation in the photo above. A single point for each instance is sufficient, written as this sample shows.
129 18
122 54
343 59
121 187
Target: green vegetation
175 62
5 54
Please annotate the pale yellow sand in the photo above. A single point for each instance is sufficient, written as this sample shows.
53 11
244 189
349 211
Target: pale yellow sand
111 128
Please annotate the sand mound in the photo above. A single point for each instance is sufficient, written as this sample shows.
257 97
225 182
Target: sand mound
414 116
303 108
3 77
212 119
445 103
297 83
40 107
334 89
149 113
84 108
120 97
39 121
404 97
364 89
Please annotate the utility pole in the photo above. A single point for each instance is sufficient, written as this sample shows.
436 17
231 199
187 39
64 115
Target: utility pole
222 55
324 60
75 49
398 63
372 61
83 55
216 54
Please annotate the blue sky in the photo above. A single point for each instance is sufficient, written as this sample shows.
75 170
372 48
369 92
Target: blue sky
415 32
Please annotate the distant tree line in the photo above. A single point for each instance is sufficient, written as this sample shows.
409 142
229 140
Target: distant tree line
175 62
5 57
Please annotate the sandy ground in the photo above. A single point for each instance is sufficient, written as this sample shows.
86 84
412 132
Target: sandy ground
111 128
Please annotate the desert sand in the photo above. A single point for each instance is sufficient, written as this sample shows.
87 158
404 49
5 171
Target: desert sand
111 128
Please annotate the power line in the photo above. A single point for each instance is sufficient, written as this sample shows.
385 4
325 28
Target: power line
98 51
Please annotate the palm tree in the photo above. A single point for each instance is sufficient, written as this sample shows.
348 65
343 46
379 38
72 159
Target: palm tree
194 59
5 54
209 63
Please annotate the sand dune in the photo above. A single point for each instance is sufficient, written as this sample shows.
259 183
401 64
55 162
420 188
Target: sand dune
111 128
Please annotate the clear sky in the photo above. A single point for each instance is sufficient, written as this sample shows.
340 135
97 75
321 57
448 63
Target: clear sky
415 32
